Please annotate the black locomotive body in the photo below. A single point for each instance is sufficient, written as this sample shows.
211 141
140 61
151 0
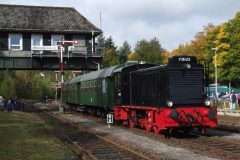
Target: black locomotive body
165 96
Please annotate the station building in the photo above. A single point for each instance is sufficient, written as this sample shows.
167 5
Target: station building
29 37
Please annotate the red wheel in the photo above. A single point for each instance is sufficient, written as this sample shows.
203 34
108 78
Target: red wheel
148 126
156 129
131 123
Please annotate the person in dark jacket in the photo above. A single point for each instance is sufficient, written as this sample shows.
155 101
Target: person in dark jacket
233 100
9 106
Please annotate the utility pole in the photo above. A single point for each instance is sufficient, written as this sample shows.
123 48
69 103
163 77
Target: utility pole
216 76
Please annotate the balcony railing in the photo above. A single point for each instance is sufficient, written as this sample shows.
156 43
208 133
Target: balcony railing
70 51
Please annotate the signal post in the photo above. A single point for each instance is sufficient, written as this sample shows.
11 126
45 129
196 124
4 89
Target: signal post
62 42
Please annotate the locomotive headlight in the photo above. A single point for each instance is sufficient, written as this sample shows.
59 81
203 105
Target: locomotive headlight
188 66
169 103
119 94
207 102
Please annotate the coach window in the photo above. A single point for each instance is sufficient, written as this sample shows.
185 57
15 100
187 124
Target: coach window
94 83
55 38
15 42
90 84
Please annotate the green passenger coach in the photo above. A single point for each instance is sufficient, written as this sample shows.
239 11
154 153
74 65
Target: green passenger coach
94 91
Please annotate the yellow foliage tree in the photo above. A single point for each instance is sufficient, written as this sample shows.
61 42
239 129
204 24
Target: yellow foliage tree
166 55
133 56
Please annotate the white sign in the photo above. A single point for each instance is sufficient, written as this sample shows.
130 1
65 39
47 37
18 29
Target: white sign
184 59
70 48
109 118
44 48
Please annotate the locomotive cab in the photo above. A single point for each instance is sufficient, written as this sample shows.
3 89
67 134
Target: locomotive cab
122 83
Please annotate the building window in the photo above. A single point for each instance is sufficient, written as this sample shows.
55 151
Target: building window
81 40
37 40
55 38
15 41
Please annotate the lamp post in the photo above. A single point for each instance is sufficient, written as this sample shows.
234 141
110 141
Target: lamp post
215 65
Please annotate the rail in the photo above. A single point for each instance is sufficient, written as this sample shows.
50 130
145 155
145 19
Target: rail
97 146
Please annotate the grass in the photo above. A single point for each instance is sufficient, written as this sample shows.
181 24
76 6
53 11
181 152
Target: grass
23 136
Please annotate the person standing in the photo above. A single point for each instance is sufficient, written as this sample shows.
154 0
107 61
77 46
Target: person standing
9 106
1 104
233 100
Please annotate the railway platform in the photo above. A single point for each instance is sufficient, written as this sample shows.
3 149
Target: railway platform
228 112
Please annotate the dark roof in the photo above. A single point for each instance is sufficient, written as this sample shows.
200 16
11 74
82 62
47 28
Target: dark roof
44 19
94 75
103 73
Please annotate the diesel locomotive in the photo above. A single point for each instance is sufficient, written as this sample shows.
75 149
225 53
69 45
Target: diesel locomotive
154 97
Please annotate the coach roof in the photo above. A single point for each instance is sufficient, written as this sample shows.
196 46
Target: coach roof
106 72
44 19
94 75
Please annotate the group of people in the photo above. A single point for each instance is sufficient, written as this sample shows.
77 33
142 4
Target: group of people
9 105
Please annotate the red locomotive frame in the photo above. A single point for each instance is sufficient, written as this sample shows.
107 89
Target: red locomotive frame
159 119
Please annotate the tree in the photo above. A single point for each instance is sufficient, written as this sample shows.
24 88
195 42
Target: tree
26 84
100 44
181 50
166 55
110 58
100 40
150 52
201 44
110 53
229 50
109 44
124 51
7 87
133 56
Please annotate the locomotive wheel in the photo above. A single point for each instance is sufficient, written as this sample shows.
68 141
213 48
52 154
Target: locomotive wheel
156 129
148 126
202 130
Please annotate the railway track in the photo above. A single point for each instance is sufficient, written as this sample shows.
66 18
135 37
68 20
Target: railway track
210 146
219 147
229 127
88 145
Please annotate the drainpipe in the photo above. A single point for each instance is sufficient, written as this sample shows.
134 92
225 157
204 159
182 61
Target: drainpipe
92 41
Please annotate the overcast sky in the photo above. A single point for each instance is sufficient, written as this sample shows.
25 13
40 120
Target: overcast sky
171 21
